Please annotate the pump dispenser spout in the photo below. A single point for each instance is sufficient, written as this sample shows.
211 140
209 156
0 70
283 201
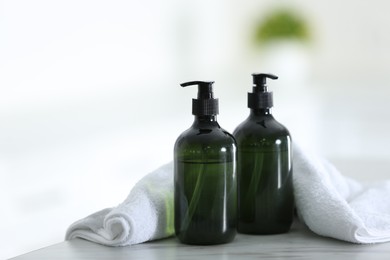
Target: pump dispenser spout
260 81
205 104
260 98
205 88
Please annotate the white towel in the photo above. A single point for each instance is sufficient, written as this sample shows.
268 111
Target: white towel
334 206
328 203
146 214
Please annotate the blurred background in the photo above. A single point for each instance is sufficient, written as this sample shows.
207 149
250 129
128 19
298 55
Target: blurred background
90 98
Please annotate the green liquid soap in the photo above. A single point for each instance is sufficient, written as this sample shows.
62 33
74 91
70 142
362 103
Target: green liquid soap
207 210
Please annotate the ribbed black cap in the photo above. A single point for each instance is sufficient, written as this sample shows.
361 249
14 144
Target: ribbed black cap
260 100
205 104
205 107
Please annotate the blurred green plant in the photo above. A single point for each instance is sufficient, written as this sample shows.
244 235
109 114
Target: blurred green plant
281 24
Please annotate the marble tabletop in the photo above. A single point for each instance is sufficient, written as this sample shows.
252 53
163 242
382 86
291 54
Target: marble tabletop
299 243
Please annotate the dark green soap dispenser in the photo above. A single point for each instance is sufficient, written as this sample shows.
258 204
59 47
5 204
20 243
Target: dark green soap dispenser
205 187
264 166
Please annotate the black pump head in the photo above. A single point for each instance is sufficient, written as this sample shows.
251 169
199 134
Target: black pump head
260 98
205 88
260 80
205 104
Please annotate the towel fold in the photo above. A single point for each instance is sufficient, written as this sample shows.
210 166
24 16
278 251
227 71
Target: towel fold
146 214
328 203
335 206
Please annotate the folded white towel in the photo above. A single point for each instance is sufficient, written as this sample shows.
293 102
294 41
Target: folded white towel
328 203
335 206
146 214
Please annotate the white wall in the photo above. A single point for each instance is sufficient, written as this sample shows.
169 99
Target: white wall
90 101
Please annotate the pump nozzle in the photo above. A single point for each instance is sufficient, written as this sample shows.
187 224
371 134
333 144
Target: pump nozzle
205 88
260 80
260 98
205 104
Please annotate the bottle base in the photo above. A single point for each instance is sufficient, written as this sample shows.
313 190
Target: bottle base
206 240
252 229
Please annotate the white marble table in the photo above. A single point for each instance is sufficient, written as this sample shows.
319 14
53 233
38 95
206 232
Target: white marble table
299 243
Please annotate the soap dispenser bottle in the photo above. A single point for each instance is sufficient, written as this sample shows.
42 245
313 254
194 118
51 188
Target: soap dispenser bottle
205 186
264 166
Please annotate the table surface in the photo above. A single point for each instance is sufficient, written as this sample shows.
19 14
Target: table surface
298 243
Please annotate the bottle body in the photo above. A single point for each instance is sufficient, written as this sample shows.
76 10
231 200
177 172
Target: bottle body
205 185
264 172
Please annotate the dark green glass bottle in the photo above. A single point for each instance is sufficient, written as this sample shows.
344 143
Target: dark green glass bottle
264 167
205 187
